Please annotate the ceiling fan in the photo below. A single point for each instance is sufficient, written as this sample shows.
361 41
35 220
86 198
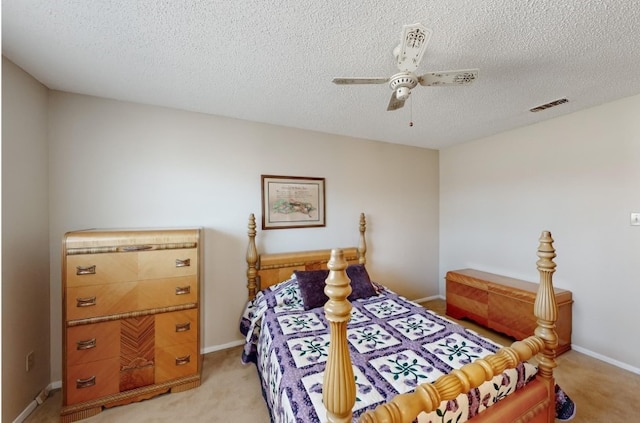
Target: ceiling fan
408 56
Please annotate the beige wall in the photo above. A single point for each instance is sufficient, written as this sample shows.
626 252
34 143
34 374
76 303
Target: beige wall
117 164
25 239
578 176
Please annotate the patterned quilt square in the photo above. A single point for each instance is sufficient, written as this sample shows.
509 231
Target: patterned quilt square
415 326
357 317
366 393
275 376
288 299
283 412
295 323
370 337
386 308
264 344
456 350
309 350
405 370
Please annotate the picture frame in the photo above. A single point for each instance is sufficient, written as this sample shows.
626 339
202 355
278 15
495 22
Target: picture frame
292 202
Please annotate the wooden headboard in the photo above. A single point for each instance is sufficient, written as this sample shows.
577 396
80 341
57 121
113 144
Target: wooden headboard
264 270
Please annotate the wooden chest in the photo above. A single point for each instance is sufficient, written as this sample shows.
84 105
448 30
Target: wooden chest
503 304
131 316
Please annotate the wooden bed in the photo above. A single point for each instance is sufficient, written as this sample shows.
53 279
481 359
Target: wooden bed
535 402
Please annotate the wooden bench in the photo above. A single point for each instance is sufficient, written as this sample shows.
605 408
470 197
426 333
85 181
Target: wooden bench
503 304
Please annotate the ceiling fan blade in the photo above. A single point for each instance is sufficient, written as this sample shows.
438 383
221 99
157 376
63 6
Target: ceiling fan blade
394 103
412 46
453 77
345 81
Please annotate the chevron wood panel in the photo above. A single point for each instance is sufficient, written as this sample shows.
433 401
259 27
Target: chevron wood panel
137 352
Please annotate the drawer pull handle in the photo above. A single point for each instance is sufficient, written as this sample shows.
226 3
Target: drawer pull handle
85 302
85 383
86 270
183 327
137 247
181 361
183 263
86 345
183 290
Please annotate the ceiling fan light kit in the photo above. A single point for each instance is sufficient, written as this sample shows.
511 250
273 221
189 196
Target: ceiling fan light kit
408 56
402 83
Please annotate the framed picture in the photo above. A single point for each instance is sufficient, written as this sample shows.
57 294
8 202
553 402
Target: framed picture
292 202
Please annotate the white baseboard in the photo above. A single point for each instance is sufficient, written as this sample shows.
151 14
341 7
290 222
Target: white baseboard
40 398
433 297
25 413
606 359
226 346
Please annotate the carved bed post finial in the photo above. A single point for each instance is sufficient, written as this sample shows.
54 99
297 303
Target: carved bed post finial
252 258
339 386
362 245
545 307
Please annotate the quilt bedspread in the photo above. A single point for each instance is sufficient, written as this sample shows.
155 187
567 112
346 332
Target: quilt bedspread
395 345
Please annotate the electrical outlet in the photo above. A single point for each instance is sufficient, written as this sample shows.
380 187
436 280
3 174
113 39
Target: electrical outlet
30 361
635 219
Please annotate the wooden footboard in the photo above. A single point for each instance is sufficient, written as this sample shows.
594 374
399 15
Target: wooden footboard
534 402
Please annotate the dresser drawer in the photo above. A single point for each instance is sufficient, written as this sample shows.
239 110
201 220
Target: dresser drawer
176 327
98 269
167 292
167 263
98 341
100 300
88 381
176 361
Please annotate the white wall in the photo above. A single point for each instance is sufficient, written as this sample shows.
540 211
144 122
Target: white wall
25 239
116 164
577 176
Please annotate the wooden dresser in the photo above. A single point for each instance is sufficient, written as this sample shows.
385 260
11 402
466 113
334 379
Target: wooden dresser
131 316
503 304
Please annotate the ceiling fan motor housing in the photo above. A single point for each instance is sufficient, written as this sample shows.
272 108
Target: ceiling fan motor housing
402 83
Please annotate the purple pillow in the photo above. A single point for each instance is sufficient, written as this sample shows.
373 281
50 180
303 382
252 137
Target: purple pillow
311 284
361 286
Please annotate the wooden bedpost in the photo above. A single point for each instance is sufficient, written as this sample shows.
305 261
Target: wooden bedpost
252 259
362 244
338 387
545 309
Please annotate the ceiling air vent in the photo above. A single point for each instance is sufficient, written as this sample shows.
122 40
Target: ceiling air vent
551 104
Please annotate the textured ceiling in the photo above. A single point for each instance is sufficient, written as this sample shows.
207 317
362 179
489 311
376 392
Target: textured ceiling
273 61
